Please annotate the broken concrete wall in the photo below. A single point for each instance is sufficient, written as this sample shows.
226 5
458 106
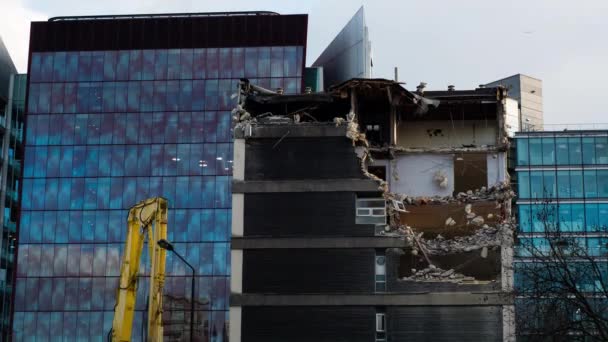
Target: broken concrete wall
434 171
434 174
446 133
497 167
422 175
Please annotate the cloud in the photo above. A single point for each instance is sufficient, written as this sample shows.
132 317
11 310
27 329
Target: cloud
15 30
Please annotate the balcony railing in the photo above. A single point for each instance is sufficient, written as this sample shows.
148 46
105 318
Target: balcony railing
576 127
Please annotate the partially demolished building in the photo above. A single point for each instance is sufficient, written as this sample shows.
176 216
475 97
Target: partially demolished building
370 212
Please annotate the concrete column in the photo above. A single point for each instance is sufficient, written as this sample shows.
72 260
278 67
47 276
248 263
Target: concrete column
507 283
238 211
508 323
238 164
234 334
236 271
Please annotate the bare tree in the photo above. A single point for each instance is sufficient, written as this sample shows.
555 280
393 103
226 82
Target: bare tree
561 284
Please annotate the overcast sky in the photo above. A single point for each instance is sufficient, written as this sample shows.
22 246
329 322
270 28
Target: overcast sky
464 43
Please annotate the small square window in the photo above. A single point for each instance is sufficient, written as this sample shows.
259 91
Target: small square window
371 211
364 212
378 212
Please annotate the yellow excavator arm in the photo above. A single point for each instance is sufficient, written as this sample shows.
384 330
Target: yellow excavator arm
149 218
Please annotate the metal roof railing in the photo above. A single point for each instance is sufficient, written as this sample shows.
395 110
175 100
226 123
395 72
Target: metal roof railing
576 127
162 15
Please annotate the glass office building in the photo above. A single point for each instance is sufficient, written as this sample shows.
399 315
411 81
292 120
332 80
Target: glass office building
12 98
11 127
113 121
562 181
565 174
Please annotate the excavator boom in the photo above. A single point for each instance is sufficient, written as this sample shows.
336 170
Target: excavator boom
149 218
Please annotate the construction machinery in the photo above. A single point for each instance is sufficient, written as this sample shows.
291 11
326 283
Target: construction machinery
148 217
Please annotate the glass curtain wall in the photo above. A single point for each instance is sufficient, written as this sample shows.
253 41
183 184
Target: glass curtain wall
12 157
562 183
566 175
106 129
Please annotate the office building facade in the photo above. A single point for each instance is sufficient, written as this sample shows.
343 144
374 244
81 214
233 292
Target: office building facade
125 108
349 55
12 98
562 206
528 91
564 172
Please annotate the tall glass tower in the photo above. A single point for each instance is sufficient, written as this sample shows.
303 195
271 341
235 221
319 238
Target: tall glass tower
12 98
121 109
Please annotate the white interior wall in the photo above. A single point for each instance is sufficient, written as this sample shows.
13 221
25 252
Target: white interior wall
497 168
413 174
445 133
511 117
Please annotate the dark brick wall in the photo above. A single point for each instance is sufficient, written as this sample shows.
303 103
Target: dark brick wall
438 324
302 214
308 324
293 271
301 158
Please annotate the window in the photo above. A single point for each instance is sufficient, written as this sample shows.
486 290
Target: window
522 152
380 322
525 225
602 183
565 218
523 184
591 218
576 184
588 151
578 217
536 184
371 211
536 154
590 183
561 149
549 185
563 184
601 150
380 271
548 151
574 151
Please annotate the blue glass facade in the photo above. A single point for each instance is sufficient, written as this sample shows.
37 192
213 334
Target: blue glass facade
12 98
564 174
106 129
562 181
11 128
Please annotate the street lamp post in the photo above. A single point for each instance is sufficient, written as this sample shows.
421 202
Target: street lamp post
164 244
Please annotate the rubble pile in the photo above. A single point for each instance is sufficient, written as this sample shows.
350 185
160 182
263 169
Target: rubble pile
486 236
500 192
433 273
450 149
